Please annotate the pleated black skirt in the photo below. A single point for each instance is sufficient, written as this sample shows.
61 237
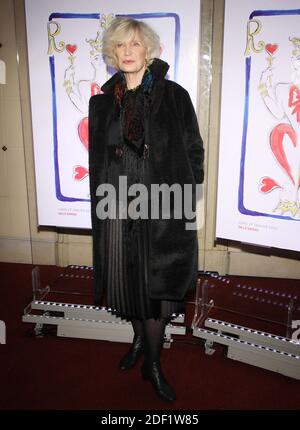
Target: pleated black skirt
127 258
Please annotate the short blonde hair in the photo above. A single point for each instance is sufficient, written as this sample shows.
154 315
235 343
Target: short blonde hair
123 28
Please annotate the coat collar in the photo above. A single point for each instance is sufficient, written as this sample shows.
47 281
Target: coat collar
159 69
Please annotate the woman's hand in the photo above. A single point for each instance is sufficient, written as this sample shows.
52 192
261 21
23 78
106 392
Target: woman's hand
69 79
266 76
265 83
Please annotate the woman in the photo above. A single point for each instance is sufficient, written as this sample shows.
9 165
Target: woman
142 129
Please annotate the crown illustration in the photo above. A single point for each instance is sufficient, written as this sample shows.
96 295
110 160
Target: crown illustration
106 20
95 44
296 42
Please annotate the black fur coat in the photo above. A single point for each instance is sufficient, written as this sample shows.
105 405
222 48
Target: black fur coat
175 156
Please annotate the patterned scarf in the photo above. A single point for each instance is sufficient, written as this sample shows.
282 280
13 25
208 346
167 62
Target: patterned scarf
132 106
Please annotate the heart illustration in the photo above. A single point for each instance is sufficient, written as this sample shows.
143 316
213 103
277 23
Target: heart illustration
79 173
271 48
95 89
276 142
267 184
71 48
83 132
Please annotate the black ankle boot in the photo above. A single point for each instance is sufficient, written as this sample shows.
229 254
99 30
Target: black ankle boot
154 374
132 356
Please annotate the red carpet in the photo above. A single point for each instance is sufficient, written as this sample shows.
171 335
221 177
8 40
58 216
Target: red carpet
76 374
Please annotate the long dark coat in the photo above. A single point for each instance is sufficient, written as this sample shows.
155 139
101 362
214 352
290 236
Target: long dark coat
175 156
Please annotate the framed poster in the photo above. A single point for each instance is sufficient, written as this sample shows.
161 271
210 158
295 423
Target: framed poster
259 159
66 67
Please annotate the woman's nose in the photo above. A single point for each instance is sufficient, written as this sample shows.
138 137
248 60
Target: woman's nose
127 49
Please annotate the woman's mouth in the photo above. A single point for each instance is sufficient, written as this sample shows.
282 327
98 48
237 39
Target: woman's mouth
128 61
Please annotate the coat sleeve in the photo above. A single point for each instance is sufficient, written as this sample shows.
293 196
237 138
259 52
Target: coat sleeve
92 156
94 182
192 138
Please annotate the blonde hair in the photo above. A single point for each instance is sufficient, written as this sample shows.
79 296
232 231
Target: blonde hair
121 29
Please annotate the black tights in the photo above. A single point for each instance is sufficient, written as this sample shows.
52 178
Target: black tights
152 331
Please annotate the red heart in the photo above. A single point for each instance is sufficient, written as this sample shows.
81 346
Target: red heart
83 132
79 173
95 89
271 48
267 184
71 48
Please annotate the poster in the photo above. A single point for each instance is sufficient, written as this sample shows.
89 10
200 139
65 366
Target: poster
259 158
66 67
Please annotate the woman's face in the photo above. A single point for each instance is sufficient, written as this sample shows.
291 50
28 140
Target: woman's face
131 54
